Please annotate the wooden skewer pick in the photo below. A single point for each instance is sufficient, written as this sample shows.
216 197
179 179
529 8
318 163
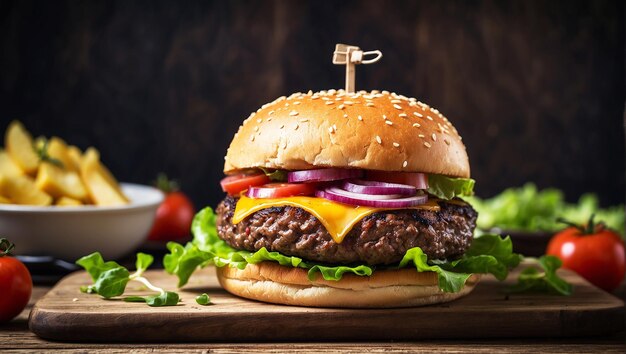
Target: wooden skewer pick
350 56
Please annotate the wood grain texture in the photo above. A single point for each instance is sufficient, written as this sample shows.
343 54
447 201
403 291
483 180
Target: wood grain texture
485 313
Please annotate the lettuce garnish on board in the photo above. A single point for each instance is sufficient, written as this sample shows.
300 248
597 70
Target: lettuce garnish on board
488 254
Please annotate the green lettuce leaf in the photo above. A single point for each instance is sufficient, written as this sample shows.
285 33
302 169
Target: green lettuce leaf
488 254
533 280
447 188
166 298
529 209
449 281
335 273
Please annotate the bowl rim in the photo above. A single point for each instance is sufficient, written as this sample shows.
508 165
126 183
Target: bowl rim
154 199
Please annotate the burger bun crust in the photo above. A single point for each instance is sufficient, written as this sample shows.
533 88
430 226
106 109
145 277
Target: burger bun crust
273 283
366 130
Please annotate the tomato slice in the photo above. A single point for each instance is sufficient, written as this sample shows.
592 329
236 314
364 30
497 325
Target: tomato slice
418 180
233 185
282 190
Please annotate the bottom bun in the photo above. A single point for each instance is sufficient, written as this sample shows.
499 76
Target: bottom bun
271 282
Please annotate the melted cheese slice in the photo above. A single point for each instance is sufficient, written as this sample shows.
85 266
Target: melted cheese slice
337 218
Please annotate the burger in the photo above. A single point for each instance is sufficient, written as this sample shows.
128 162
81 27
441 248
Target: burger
337 199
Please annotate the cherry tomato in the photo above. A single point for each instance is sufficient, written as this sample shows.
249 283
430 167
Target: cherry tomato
282 190
174 215
16 284
233 185
596 253
419 180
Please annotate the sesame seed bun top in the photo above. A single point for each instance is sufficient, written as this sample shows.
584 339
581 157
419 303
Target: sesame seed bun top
367 130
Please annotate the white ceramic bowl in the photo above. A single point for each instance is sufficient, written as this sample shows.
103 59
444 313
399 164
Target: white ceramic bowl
71 232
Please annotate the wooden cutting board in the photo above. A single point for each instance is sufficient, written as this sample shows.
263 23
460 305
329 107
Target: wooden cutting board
68 315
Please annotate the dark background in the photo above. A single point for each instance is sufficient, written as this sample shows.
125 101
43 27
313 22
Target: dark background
536 88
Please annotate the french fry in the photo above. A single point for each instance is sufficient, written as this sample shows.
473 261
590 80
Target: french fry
7 166
60 182
66 201
19 144
58 150
22 190
75 155
101 185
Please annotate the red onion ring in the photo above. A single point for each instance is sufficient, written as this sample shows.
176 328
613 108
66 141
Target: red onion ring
377 201
322 175
377 188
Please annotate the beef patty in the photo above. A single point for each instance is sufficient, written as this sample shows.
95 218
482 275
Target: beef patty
379 238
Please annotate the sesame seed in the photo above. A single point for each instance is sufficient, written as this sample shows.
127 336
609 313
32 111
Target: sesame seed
427 144
434 137
384 117
334 127
269 119
325 98
396 101
418 114
256 129
251 137
304 120
396 145
360 118
287 104
252 114
420 136
397 106
297 102
345 116
403 115
388 122
369 104
405 163
281 126
349 103
429 117
270 113
293 113
446 141
417 125
378 139
314 97
259 120
310 92
330 129
329 102
284 145
341 106
296 127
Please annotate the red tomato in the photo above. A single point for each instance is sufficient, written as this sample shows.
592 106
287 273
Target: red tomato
16 284
173 218
282 190
597 254
233 185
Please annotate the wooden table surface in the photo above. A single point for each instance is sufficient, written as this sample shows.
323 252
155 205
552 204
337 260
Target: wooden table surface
16 338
